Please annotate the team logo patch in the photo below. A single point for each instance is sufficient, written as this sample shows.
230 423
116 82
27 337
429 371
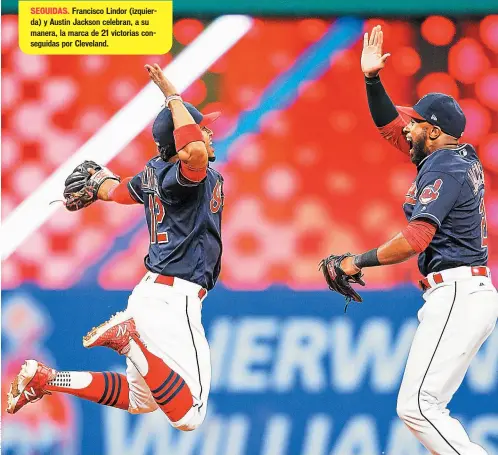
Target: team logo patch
430 192
217 199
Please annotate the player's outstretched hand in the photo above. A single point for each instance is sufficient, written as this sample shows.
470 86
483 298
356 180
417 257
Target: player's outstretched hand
158 77
372 59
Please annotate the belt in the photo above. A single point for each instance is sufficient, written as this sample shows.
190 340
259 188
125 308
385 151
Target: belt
452 275
170 281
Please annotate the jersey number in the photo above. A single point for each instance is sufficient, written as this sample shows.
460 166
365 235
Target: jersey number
156 217
484 225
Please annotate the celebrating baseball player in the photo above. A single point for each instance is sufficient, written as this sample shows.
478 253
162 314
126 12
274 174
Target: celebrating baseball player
447 229
160 332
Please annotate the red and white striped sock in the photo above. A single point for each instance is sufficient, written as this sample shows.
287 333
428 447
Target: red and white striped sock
108 388
170 391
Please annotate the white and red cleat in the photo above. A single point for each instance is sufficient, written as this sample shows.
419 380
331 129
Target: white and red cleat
29 385
114 333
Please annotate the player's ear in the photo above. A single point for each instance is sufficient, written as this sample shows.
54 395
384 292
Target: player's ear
434 132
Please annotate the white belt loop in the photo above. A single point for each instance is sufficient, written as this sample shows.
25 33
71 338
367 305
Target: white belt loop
149 277
430 279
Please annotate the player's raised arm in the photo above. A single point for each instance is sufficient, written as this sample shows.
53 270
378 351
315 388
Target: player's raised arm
189 140
382 109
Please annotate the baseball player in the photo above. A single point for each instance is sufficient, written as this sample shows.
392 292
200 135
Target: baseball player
160 332
447 229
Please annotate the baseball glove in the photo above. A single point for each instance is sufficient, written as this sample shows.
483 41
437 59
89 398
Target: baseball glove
338 281
82 186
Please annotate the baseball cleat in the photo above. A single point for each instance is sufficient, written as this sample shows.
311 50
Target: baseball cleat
114 333
28 386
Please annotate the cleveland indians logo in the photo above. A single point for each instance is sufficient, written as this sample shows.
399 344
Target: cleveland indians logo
217 199
430 192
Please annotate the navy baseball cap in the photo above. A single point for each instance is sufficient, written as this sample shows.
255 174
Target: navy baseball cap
162 129
440 110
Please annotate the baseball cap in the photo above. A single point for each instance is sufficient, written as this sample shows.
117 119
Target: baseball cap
162 129
440 110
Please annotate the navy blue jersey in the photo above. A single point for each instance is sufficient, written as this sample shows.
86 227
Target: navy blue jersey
449 191
184 220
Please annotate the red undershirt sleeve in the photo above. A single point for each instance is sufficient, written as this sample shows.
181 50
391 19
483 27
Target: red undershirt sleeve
194 175
419 234
121 194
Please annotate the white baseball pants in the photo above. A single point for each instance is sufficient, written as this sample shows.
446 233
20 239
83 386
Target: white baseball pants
168 319
457 317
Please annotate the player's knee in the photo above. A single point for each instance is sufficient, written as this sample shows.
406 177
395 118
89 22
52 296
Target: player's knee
418 407
402 411
191 420
188 427
407 410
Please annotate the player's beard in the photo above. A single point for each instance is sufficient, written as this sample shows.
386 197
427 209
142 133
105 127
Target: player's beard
419 149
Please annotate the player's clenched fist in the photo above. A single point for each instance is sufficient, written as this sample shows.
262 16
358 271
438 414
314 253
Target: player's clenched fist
157 76
372 59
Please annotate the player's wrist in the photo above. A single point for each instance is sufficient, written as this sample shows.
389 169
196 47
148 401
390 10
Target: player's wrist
106 188
172 97
355 268
368 259
371 78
